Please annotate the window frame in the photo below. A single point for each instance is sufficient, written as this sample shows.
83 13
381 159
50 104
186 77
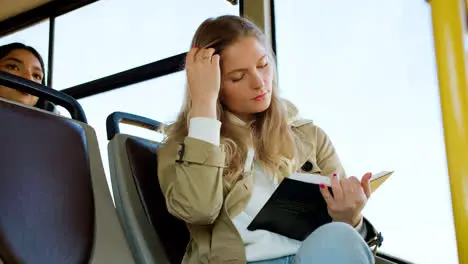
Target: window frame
121 79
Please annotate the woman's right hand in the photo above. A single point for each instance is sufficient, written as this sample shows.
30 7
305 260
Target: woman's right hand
204 81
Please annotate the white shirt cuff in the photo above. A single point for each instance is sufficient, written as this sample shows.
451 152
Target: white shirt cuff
361 228
206 129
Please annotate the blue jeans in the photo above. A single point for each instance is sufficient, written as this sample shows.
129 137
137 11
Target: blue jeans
334 243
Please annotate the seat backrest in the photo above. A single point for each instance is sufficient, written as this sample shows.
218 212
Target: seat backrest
155 235
54 200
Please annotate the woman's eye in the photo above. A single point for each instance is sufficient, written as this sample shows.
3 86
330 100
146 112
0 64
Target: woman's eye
12 67
238 79
37 77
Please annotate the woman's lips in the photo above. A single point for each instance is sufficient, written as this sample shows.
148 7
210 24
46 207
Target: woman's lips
260 97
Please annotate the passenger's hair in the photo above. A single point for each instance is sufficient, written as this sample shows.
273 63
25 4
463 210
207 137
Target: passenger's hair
8 48
272 137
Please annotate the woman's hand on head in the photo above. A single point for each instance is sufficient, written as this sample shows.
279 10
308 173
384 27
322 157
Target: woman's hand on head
204 80
349 198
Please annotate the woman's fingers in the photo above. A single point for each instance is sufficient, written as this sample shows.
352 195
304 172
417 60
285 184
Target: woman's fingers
347 201
326 194
191 56
338 194
351 185
204 79
208 55
215 60
365 184
204 55
197 55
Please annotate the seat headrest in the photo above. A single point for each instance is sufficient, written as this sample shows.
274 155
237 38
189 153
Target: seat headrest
45 93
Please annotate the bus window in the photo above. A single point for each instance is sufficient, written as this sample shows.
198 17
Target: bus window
111 36
365 71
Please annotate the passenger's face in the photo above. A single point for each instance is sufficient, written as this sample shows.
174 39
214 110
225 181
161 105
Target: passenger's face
24 64
247 78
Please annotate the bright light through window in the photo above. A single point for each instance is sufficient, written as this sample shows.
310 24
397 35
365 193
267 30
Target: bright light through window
110 36
365 72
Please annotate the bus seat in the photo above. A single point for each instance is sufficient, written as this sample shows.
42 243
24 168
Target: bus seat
54 200
155 235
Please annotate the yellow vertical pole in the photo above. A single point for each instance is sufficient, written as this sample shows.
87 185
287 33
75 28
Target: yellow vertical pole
448 20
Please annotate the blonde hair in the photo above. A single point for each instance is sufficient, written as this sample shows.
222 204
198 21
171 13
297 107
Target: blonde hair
269 134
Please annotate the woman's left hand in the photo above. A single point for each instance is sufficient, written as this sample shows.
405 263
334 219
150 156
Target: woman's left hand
349 198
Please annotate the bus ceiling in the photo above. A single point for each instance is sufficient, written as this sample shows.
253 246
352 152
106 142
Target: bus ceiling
15 15
12 8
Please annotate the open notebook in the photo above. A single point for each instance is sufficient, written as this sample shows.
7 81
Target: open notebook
297 207
375 182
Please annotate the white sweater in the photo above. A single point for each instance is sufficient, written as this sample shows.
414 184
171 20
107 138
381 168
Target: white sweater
259 244
262 244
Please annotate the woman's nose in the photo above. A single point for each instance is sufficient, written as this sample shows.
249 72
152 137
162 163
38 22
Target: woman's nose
28 75
257 81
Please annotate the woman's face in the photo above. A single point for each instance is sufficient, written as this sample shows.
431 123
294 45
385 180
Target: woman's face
247 78
24 64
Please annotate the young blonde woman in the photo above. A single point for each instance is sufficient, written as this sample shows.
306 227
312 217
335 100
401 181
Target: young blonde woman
234 141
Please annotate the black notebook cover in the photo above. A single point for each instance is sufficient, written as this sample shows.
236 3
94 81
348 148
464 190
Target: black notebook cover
294 210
